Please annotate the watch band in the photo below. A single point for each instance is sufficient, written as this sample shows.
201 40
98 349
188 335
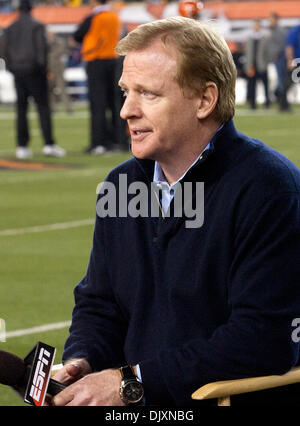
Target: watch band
127 372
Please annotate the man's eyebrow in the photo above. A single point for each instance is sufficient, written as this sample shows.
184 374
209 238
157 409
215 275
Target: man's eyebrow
140 87
136 86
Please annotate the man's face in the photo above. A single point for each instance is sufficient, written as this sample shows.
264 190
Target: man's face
162 122
273 21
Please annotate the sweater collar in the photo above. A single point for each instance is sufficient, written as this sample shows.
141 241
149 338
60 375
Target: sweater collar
221 143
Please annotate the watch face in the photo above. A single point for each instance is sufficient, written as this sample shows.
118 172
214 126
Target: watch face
133 391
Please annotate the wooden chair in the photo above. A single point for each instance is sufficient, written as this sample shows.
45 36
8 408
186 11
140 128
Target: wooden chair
222 390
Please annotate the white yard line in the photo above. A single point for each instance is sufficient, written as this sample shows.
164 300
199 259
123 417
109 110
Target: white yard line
38 329
25 177
22 178
44 228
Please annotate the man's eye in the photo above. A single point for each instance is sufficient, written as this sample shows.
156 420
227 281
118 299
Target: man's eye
124 92
147 94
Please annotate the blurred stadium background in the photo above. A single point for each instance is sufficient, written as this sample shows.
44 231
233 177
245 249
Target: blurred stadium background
47 205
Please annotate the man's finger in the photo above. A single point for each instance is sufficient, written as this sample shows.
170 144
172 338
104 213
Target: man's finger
63 398
68 374
73 370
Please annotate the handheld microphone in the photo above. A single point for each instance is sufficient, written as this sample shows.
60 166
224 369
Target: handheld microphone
32 373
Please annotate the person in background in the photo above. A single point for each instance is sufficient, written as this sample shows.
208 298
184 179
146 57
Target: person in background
276 55
239 59
56 68
292 52
256 64
99 34
292 47
25 54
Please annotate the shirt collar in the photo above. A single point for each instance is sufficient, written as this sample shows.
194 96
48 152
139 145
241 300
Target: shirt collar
101 8
159 176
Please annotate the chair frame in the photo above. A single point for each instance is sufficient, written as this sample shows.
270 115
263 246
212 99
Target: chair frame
222 390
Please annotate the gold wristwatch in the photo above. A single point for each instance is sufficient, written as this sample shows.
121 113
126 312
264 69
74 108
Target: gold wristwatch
131 389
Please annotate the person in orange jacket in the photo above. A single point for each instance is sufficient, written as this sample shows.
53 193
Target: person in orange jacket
99 34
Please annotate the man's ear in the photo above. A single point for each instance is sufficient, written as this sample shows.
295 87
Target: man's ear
207 100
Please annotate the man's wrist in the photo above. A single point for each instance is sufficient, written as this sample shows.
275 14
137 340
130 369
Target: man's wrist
131 387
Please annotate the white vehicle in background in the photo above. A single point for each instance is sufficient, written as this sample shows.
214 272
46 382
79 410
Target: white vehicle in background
7 88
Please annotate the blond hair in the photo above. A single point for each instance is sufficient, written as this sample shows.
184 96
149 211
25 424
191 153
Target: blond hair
203 56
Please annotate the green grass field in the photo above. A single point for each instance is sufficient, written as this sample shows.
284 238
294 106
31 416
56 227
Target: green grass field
40 267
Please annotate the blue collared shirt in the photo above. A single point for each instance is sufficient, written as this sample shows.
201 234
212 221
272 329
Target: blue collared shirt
167 190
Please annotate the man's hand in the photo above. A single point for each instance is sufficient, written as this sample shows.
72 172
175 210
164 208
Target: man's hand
290 65
251 72
289 53
72 371
94 389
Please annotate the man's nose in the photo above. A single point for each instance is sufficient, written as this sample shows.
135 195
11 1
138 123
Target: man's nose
131 108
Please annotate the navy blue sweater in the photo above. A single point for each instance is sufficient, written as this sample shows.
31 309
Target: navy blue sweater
193 306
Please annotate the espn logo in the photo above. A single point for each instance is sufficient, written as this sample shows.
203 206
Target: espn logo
40 374
2 330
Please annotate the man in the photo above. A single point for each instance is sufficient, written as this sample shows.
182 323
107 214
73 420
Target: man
57 66
25 54
292 52
256 64
292 47
99 34
184 303
276 54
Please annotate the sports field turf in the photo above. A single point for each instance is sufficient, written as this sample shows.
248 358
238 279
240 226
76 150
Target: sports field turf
40 264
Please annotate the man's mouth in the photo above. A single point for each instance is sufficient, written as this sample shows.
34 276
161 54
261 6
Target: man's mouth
139 133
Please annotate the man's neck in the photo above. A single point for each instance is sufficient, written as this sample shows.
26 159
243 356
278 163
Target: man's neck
173 170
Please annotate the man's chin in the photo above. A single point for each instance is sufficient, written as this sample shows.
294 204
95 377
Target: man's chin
141 154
